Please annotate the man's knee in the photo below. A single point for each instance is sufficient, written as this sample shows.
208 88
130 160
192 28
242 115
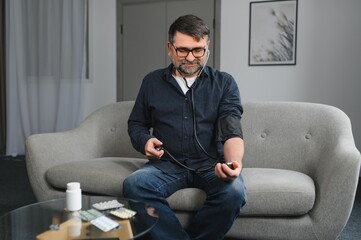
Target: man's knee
131 185
138 185
127 187
240 191
237 193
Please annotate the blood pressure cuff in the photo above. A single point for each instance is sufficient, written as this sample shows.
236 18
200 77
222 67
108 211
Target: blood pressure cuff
228 126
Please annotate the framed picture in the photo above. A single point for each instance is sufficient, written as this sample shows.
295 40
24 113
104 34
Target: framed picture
272 33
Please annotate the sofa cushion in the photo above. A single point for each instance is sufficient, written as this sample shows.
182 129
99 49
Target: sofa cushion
97 176
270 192
277 192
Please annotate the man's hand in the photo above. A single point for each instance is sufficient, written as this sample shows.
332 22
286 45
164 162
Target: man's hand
226 173
150 150
233 151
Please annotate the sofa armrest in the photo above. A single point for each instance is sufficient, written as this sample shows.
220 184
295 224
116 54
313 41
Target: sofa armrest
102 134
336 178
44 151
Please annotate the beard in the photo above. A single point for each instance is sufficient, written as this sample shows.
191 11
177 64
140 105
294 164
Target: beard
189 70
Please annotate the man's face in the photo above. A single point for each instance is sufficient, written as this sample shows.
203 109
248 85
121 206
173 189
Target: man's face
184 60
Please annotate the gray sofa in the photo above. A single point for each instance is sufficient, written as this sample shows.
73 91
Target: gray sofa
301 167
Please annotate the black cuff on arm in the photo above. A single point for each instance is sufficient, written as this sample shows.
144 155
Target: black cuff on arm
228 126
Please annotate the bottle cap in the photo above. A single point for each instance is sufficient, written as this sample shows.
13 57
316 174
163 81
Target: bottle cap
73 186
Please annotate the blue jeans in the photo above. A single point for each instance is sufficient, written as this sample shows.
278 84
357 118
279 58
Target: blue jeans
212 221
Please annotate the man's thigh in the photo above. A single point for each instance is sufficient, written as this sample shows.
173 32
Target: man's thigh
152 179
211 184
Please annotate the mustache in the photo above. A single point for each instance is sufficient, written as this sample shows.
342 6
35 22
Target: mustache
188 62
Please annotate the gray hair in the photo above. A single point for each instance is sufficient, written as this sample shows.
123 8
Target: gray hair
190 25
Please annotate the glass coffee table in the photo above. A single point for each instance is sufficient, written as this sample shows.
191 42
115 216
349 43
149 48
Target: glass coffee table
50 221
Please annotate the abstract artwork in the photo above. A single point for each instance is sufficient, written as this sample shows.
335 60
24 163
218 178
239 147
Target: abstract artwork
272 33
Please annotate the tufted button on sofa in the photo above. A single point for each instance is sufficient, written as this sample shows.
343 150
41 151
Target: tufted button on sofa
301 167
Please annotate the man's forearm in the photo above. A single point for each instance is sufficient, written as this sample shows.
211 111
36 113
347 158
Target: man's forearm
234 150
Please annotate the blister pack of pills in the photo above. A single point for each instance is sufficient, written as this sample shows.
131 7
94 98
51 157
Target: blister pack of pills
123 213
107 205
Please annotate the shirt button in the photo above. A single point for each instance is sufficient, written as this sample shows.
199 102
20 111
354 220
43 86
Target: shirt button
185 117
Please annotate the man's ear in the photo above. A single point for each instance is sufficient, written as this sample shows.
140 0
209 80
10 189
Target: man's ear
169 47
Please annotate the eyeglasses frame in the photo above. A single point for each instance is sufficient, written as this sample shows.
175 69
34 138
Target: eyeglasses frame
189 50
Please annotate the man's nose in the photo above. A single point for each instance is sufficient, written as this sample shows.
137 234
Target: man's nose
190 57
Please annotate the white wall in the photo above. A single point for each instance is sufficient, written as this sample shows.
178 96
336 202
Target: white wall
328 66
100 89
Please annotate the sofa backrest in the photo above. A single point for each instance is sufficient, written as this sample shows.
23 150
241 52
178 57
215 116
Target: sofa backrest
291 135
286 135
109 126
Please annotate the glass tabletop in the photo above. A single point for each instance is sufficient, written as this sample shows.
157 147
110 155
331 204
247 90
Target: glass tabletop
50 221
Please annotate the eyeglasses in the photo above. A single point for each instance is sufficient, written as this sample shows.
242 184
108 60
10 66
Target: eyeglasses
184 52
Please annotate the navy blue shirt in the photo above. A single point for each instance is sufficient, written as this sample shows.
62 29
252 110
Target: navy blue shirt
163 111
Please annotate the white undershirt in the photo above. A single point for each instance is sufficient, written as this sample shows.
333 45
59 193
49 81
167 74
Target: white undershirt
183 85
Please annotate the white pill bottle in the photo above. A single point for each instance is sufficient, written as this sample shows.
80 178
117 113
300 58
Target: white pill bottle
73 196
